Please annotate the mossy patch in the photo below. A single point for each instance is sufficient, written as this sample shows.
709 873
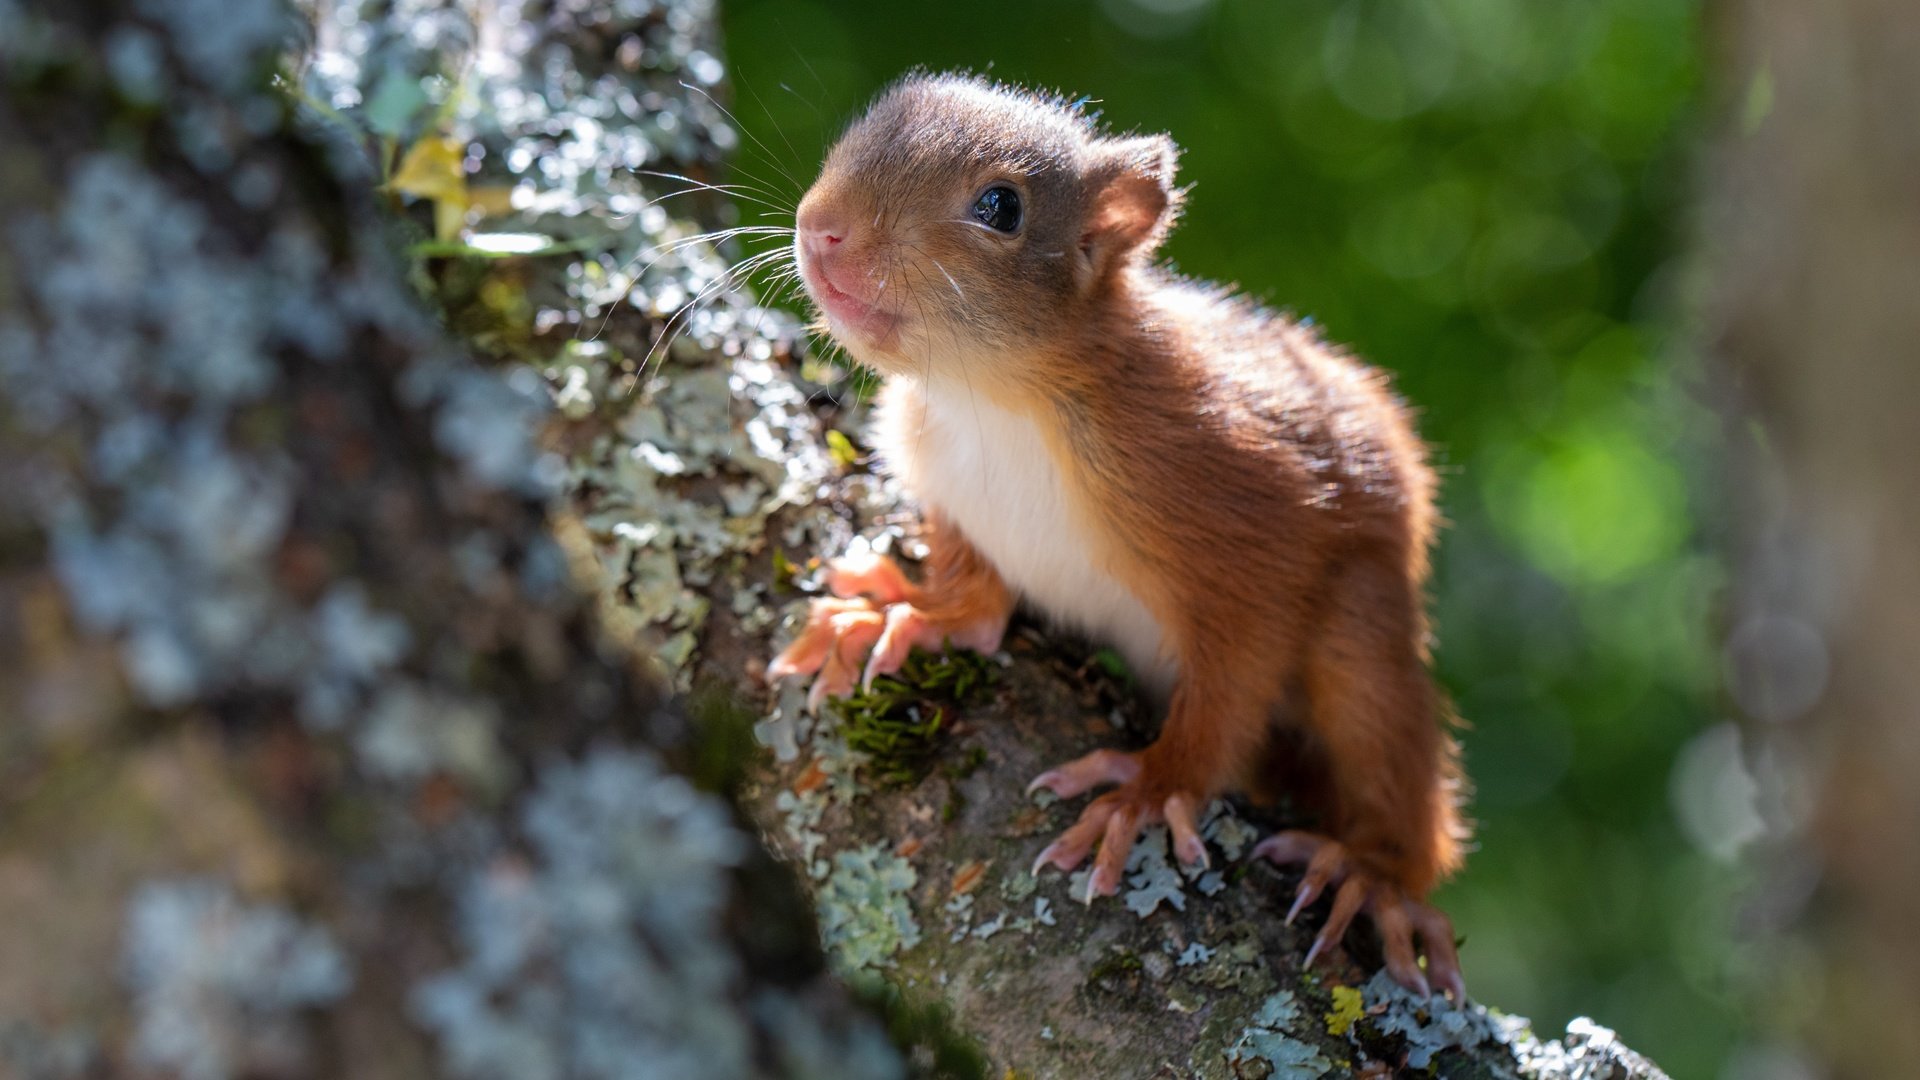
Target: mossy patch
1120 972
896 723
924 1030
968 764
723 746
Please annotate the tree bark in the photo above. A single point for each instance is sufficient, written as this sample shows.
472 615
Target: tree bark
316 763
320 763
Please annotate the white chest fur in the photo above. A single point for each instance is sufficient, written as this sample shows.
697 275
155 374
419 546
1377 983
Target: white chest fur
990 472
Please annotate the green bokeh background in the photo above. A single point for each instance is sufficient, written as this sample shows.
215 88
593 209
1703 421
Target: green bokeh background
1484 196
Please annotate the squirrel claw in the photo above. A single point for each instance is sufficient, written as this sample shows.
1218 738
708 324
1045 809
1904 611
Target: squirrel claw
1301 898
1401 921
1086 773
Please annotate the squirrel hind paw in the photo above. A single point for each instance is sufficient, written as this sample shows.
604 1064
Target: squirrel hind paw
1406 926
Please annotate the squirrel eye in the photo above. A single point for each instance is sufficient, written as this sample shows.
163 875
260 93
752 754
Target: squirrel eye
998 208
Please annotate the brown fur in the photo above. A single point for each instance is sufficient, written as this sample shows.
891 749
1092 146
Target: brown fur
958 586
1263 493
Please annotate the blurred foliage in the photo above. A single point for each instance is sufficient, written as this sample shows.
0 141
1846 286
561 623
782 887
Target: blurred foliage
1483 196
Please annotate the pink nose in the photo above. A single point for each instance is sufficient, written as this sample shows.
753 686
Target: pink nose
820 233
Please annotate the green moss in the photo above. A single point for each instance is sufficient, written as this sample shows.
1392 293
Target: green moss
784 573
897 741
723 745
897 722
1114 665
968 764
924 1031
1119 972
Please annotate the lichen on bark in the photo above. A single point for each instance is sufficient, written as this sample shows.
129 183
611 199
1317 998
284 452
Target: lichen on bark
313 746
296 649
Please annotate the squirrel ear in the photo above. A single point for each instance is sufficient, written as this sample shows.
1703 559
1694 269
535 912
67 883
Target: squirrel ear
1134 200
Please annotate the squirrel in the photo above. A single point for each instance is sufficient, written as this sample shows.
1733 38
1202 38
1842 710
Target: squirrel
1240 508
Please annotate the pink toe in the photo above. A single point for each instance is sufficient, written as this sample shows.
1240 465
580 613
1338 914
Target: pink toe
867 573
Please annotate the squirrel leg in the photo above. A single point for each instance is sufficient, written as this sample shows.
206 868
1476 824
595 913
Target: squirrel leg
1396 829
1213 724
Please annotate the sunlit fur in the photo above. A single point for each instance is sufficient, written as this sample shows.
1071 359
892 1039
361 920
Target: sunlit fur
1120 444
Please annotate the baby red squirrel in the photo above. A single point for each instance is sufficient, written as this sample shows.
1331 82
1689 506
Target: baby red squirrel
1239 508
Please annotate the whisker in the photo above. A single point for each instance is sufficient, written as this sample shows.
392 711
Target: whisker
682 316
714 237
803 60
943 273
685 179
787 193
664 250
803 100
748 192
763 108
728 113
655 200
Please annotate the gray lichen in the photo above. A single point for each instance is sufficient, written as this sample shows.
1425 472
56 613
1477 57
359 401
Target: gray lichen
180 573
807 1051
1429 1024
412 730
155 358
1587 1052
865 914
177 555
1194 953
601 944
661 533
1433 1025
217 984
1153 879
602 951
485 421
223 42
706 435
1267 1038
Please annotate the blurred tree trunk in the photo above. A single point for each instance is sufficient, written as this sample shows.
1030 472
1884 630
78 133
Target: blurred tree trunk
1813 225
314 763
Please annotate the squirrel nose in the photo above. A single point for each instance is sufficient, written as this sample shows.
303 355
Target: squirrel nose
819 232
819 243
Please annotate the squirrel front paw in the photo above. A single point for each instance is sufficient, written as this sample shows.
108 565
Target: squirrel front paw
869 627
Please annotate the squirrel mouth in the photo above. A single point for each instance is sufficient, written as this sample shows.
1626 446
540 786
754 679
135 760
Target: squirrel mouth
848 315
